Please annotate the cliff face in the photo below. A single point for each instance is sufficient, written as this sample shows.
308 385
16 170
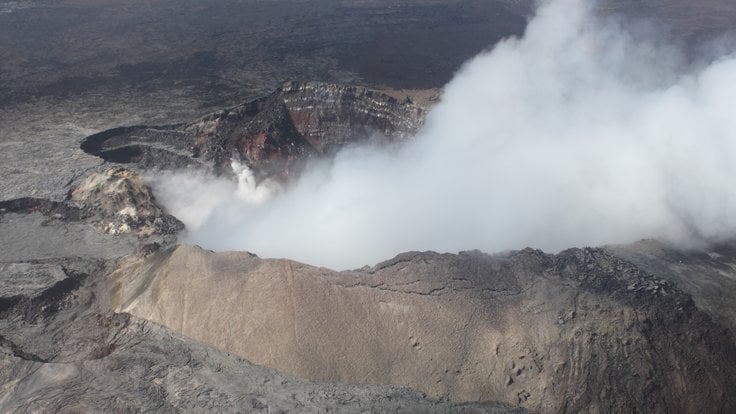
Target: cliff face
579 331
274 135
331 117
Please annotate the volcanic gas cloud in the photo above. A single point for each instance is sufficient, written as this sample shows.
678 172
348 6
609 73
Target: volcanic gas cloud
579 133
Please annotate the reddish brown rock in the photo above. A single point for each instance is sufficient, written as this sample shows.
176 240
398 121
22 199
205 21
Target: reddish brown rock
274 135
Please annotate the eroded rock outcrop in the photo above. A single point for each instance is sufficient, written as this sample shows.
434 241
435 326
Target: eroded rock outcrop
578 331
102 202
274 135
118 201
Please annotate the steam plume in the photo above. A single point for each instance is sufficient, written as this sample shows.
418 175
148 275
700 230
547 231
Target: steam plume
576 134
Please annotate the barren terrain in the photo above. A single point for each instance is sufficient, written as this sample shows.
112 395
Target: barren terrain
102 310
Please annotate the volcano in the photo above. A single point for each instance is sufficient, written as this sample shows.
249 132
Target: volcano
107 304
615 329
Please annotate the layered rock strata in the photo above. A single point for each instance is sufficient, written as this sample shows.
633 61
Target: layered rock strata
274 135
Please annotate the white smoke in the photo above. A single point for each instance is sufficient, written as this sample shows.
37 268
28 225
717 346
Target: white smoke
197 198
576 134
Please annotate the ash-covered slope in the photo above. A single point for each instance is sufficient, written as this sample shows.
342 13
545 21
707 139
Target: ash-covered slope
579 331
62 349
273 135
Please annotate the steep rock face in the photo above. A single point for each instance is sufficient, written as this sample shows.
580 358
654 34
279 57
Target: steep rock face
261 133
579 331
329 118
274 135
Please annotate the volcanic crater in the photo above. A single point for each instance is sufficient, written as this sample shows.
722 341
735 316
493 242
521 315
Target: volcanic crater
581 330
274 135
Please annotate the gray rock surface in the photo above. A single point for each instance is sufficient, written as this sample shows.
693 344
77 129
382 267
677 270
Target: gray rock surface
34 236
28 279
